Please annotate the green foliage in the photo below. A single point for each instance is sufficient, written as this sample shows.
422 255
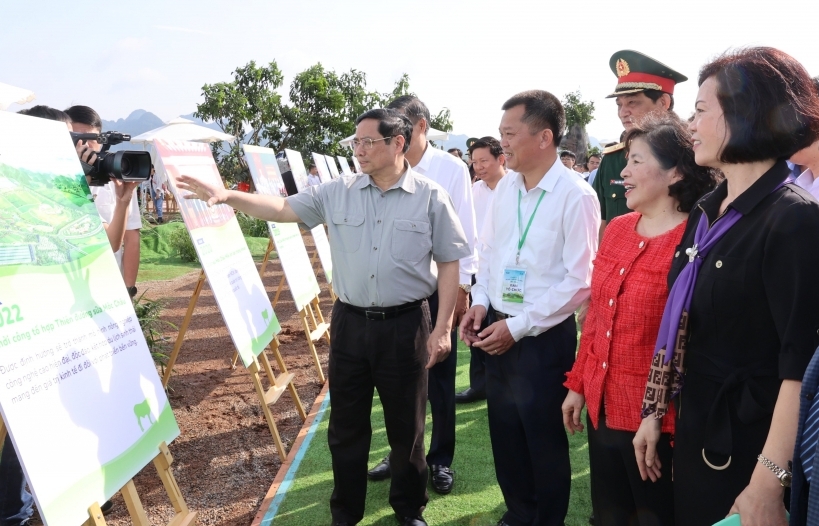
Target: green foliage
251 226
594 150
322 109
180 241
149 316
577 112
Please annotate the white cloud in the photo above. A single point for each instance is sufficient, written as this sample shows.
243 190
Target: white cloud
183 30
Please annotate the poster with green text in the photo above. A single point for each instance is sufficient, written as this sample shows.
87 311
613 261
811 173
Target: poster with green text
79 391
222 251
286 236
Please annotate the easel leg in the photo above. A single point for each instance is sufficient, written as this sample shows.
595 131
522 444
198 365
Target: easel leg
320 316
263 399
134 504
308 333
95 517
163 462
266 257
274 346
182 330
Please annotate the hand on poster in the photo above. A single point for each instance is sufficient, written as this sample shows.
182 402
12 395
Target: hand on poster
212 194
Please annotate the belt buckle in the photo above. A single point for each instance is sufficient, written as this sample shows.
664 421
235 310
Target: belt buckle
367 314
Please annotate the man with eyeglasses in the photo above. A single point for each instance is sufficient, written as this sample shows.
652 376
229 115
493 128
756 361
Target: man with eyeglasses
387 226
453 175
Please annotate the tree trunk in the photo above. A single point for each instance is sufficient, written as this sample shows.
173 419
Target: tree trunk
576 140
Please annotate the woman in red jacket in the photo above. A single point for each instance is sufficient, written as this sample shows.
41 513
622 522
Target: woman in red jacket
629 292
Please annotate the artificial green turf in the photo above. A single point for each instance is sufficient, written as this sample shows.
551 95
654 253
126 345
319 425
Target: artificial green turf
475 499
158 261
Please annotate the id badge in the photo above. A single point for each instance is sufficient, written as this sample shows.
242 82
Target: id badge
513 280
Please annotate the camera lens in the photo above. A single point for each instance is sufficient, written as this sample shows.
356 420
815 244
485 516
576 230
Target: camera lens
125 166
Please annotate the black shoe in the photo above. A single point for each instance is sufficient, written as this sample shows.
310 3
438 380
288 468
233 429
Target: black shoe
342 523
411 521
381 471
469 395
591 519
160 220
107 507
442 479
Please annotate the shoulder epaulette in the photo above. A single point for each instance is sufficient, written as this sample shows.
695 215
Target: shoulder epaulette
614 148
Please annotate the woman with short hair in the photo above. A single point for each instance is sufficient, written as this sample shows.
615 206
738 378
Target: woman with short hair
740 324
629 290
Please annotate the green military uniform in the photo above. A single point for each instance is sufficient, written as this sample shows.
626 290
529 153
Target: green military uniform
609 184
635 73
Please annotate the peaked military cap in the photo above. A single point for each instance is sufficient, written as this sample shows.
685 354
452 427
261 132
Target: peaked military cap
637 72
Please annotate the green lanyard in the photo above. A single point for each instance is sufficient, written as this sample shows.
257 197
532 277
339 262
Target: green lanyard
522 237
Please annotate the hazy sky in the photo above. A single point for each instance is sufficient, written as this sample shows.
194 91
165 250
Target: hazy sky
467 56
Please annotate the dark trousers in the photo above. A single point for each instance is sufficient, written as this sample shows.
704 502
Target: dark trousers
16 504
477 370
619 496
441 391
387 355
524 388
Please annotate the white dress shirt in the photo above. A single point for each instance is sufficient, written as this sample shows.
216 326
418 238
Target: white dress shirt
313 180
557 253
453 175
482 195
807 182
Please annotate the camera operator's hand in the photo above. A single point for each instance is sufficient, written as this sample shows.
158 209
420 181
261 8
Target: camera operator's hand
124 191
86 153
210 193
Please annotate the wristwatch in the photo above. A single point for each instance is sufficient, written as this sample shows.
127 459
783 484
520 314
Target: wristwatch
466 288
783 475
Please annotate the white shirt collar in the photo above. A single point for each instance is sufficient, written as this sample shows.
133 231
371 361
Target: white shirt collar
547 182
426 159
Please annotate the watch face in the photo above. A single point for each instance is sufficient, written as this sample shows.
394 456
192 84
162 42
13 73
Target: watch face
786 480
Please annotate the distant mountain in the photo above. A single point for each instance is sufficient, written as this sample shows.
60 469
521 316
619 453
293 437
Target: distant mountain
139 121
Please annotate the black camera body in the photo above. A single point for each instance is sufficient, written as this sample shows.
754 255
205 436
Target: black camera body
126 165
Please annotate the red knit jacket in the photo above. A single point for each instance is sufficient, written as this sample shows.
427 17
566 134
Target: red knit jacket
629 291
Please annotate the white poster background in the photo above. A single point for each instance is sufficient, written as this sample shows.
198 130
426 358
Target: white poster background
79 391
345 166
286 236
331 163
323 169
357 165
222 251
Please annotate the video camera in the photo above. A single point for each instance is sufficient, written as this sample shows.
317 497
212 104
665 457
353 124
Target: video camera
127 166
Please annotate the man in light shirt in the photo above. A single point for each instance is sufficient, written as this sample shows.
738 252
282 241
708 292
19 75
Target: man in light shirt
536 254
453 175
489 164
313 178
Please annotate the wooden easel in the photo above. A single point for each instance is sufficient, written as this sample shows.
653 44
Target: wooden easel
260 365
162 463
312 320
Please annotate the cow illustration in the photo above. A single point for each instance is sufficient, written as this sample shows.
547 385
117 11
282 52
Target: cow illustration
142 410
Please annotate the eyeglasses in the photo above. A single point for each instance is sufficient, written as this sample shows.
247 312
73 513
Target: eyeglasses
367 143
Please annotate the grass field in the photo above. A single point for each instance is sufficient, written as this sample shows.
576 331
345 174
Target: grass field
475 500
158 260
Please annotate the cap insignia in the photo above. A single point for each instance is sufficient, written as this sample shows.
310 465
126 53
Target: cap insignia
622 68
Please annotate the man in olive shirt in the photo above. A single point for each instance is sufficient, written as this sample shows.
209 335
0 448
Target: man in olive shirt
386 227
644 86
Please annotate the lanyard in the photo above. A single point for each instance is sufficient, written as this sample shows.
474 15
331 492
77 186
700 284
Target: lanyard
523 233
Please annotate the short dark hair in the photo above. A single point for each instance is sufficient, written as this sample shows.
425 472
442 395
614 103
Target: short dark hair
390 124
670 143
568 153
456 151
541 110
412 107
655 94
46 112
85 115
769 102
596 155
489 142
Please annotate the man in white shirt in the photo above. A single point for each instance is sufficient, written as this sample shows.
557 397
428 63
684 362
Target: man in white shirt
536 253
453 175
313 178
489 164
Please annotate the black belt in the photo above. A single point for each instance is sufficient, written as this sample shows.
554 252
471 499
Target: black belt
383 313
500 315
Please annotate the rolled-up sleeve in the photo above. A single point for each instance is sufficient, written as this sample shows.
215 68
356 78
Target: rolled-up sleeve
448 240
310 205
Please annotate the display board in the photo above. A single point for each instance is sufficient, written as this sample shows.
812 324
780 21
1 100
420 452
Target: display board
331 164
80 394
357 166
323 169
319 234
286 236
345 166
222 251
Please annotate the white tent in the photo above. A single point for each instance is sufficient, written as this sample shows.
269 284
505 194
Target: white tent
433 135
180 129
11 95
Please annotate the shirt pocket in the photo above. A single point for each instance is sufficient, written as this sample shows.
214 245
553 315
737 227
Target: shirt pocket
348 231
411 239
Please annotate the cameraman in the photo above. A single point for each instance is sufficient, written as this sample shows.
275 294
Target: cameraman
86 120
17 504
